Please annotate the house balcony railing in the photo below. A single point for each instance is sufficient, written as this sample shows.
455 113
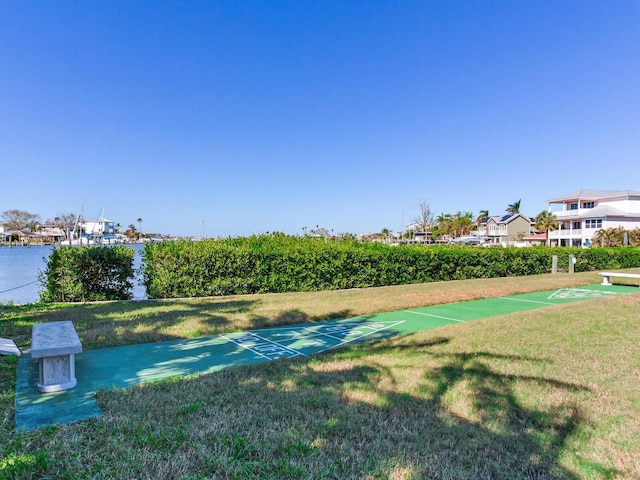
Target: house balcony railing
579 213
575 233
499 232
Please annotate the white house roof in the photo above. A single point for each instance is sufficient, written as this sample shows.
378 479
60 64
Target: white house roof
99 220
587 194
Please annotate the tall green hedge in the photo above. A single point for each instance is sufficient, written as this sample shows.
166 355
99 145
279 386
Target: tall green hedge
89 273
278 263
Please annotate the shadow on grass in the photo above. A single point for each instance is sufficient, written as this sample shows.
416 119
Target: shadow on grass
353 414
365 412
294 317
112 324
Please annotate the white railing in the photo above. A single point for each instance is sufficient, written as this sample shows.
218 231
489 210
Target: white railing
580 212
575 233
500 231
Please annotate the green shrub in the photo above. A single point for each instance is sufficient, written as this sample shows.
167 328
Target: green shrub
78 274
278 263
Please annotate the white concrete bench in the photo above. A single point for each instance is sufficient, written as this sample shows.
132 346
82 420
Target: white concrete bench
607 275
8 347
55 344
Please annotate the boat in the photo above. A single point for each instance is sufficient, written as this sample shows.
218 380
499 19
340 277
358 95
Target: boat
76 238
78 242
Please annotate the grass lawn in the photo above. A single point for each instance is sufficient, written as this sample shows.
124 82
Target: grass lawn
548 393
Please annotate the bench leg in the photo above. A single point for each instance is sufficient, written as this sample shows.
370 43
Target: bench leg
57 373
605 280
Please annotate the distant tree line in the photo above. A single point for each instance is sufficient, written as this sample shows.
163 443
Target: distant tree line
20 219
16 219
452 225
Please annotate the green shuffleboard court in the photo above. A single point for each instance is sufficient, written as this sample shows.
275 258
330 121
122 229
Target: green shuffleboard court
120 367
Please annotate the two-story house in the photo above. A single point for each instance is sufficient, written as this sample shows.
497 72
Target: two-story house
100 226
506 229
582 213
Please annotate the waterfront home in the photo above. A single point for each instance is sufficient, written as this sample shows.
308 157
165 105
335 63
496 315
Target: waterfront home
535 239
582 213
15 237
506 229
48 234
43 236
100 226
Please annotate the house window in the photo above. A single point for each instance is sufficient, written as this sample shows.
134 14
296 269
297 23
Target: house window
573 206
575 225
588 204
593 223
492 229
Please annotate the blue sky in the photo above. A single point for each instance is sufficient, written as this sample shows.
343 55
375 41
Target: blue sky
239 117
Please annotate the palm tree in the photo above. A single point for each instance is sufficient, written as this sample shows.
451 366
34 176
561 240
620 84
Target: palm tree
545 222
385 234
611 237
444 224
482 216
514 207
131 231
139 220
602 238
462 222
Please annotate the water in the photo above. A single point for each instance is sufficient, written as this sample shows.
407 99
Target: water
19 267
